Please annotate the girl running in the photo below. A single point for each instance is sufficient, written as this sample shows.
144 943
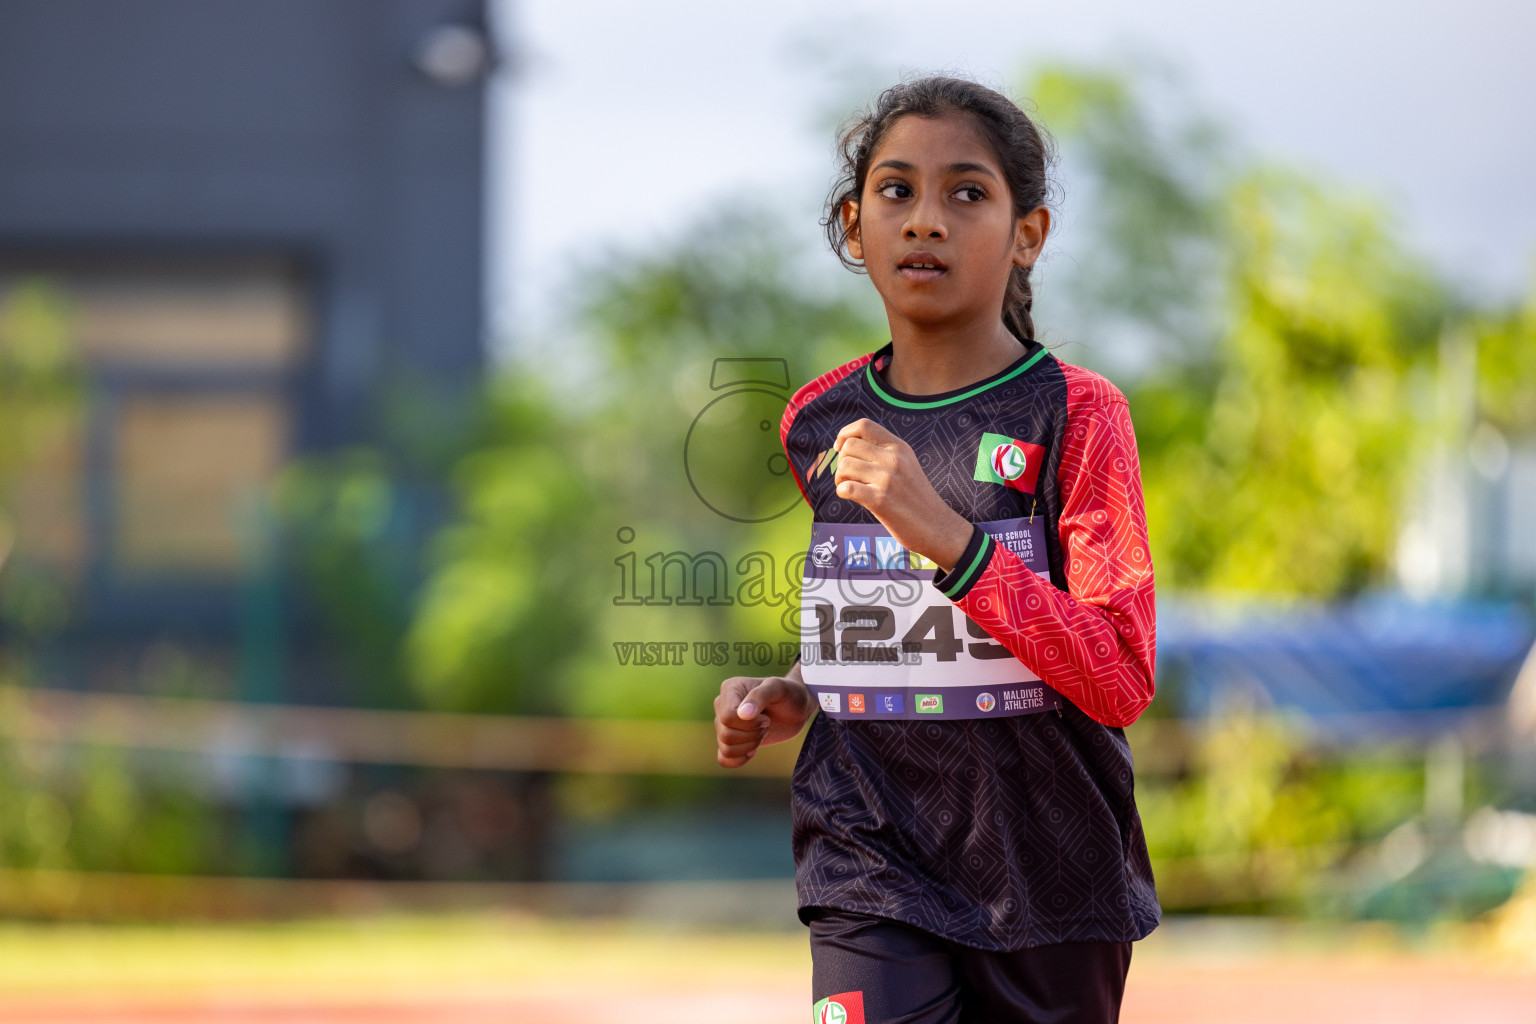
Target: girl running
979 590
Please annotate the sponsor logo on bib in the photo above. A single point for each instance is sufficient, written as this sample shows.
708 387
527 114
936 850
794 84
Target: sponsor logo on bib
856 703
888 703
830 702
985 702
930 704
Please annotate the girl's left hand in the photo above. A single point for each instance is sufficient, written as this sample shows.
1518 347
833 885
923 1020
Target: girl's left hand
880 471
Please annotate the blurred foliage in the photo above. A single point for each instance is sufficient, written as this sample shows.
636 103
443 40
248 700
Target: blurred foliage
511 597
1282 467
581 476
1262 818
1145 196
89 809
1257 818
352 523
346 527
1506 363
1276 435
39 408
38 372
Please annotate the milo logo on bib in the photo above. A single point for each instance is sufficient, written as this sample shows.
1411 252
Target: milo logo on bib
879 641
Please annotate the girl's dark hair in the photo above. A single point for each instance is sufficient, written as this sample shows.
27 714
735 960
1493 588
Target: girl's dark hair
1023 150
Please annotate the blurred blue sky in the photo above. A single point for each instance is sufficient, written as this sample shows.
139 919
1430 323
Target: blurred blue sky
623 121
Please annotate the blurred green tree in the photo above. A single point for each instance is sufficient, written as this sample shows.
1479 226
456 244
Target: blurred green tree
342 515
39 410
1277 434
1506 367
581 476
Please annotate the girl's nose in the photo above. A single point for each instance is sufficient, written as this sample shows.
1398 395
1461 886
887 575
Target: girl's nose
926 221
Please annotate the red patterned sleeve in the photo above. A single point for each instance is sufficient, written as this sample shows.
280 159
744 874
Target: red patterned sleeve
805 396
1095 644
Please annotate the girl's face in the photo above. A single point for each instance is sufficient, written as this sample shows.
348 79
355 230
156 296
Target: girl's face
935 223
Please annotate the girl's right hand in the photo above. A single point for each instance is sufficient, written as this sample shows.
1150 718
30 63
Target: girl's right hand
752 711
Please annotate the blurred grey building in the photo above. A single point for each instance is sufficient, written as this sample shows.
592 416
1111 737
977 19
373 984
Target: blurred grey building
263 221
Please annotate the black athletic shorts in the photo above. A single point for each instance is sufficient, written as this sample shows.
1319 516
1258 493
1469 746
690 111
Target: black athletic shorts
872 970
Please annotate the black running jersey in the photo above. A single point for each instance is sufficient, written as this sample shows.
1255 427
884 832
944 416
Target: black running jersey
969 773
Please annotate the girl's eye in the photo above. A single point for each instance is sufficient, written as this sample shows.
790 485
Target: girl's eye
971 193
894 190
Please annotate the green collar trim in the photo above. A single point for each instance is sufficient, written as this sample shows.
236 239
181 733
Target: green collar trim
902 403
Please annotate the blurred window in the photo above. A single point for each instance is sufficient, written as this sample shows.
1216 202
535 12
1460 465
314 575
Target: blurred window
184 414
235 321
46 494
190 471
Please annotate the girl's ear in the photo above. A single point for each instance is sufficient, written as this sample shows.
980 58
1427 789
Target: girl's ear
1029 236
850 215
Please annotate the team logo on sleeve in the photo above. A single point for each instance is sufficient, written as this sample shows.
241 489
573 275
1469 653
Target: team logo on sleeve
843 1008
1005 460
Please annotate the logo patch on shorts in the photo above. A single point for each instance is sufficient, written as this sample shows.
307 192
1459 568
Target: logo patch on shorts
843 1008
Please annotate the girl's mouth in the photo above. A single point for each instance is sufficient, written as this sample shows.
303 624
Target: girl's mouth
921 267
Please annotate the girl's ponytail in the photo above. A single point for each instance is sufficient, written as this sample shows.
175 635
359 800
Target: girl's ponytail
1024 151
1019 305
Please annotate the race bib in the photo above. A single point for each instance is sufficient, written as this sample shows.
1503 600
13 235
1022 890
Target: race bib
880 642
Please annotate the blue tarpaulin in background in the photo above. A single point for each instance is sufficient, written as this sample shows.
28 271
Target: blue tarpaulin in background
1376 656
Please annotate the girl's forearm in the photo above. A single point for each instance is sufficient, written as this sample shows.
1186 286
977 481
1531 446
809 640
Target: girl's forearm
1100 656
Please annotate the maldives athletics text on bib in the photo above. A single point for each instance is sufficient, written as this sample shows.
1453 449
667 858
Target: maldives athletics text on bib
881 642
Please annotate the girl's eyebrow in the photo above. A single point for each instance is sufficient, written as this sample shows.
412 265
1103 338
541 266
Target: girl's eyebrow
902 165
